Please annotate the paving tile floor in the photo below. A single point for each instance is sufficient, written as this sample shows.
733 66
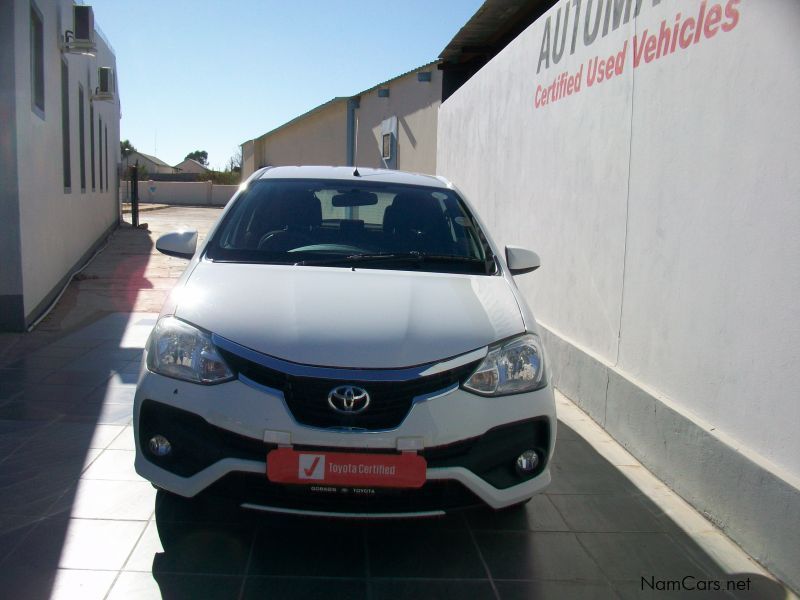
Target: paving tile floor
76 521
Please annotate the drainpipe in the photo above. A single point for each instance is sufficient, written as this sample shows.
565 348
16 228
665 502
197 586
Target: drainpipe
352 105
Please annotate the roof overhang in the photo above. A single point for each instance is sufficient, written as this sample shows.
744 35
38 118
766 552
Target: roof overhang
493 26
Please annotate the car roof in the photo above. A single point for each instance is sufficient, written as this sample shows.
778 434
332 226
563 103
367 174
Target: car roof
347 173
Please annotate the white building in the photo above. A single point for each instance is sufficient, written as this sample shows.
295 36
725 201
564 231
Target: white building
59 151
649 152
188 165
152 164
391 125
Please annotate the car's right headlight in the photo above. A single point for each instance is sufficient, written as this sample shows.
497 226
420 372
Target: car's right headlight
510 368
177 349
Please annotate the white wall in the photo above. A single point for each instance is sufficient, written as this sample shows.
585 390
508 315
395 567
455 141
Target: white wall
58 228
415 104
712 281
665 205
192 193
248 159
221 194
183 193
317 138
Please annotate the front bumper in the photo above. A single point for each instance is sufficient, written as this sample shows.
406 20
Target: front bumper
221 436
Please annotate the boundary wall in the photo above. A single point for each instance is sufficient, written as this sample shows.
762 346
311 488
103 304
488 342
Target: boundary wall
648 152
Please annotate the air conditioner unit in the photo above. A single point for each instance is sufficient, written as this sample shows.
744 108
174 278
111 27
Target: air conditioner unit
80 39
105 84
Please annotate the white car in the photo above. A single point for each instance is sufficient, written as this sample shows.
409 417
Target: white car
346 342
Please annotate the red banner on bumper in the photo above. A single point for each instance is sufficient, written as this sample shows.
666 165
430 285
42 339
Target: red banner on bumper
285 465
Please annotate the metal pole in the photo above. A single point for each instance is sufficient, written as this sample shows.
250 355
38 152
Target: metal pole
135 195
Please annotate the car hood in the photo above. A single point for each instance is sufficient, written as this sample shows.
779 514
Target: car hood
337 317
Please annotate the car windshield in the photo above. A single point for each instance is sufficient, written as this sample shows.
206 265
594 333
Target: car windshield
344 223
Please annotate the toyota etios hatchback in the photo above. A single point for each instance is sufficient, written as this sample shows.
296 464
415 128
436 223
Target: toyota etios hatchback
347 343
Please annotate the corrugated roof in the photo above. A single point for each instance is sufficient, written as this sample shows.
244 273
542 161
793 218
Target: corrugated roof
492 27
303 116
154 159
396 77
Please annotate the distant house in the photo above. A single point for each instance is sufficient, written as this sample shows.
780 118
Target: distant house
189 165
151 163
392 125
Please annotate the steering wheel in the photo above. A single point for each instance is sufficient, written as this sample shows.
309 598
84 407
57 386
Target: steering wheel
283 239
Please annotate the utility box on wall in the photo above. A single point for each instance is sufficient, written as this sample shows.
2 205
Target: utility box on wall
389 142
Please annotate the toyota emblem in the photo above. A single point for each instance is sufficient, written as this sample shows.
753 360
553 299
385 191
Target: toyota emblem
349 399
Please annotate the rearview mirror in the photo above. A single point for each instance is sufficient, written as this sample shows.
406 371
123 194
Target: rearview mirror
354 198
178 243
521 260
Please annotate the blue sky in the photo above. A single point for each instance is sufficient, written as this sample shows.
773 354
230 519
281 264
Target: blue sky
207 75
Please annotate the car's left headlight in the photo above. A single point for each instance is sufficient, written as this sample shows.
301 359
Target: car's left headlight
510 368
177 349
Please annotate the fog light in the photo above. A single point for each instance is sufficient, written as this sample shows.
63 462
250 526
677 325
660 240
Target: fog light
527 462
159 445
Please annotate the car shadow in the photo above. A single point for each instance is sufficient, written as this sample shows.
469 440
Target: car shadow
594 534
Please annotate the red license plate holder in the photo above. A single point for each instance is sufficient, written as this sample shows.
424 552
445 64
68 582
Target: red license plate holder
350 469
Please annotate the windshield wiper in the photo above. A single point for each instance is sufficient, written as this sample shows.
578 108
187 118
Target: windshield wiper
417 257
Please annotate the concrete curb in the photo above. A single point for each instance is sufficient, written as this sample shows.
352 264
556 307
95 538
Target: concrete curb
748 499
126 208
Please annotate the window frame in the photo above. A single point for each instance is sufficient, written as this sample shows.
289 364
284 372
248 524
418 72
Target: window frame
91 136
100 149
105 127
66 141
37 61
386 154
82 135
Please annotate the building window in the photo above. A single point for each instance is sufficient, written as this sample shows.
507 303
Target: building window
37 62
91 141
65 126
106 152
100 150
387 146
82 137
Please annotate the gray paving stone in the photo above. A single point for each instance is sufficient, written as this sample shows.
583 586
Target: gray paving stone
572 590
533 555
116 465
257 588
430 589
432 554
146 586
538 514
120 500
605 512
211 549
84 584
631 556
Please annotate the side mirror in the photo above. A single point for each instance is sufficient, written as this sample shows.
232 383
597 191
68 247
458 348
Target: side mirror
178 243
521 260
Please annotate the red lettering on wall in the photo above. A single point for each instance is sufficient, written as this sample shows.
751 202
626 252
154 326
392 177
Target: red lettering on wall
684 42
709 21
732 14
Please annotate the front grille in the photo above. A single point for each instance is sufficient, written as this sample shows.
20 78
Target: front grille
307 397
196 445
